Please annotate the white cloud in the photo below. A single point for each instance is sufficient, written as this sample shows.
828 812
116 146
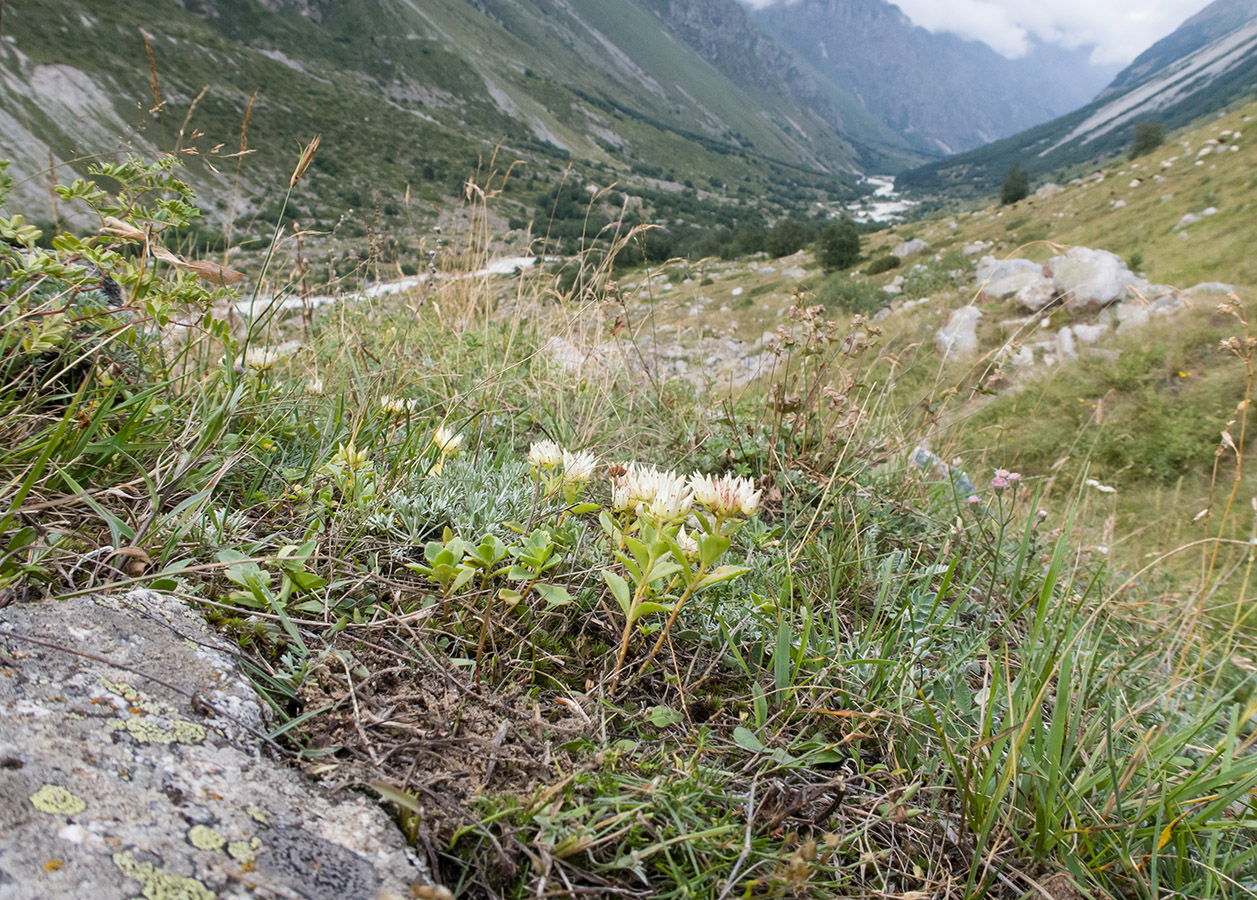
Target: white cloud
1118 29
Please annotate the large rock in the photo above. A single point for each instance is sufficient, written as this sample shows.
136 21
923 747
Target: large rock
130 766
1089 280
1001 278
1037 293
1209 289
959 337
907 248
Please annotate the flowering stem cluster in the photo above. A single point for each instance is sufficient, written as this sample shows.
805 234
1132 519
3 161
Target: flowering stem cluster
665 564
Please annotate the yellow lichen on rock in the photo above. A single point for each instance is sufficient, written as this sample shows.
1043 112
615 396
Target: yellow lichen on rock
150 732
245 851
159 885
55 800
202 837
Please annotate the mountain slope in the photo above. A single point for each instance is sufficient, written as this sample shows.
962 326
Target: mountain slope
411 93
947 93
1206 65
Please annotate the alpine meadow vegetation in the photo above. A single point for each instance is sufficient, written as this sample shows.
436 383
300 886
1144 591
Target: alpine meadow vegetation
590 632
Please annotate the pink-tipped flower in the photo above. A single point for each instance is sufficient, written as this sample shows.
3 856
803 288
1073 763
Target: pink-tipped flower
1014 477
999 482
973 499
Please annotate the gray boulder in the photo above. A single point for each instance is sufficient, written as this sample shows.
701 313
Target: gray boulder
959 337
907 248
1090 280
1089 334
1209 289
132 766
1035 294
1001 278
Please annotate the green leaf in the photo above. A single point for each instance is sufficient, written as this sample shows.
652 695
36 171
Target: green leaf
663 716
719 574
22 538
464 575
746 739
711 547
620 589
760 703
581 509
781 659
646 607
306 581
163 584
519 573
553 594
662 569
640 554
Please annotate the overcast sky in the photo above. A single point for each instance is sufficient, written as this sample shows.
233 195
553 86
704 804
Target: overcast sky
1119 29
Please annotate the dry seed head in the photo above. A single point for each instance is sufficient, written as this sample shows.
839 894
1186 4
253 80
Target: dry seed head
304 162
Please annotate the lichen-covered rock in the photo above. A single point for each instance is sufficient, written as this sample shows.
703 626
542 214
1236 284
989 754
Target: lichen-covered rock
143 776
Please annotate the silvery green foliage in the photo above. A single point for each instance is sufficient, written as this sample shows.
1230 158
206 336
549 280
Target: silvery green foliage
472 497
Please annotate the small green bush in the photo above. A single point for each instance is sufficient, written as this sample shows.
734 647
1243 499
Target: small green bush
883 264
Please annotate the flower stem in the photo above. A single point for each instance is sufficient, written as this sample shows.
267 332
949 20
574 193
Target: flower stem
676 611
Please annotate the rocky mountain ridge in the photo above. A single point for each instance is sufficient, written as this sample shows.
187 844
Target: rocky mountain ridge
1205 66
946 93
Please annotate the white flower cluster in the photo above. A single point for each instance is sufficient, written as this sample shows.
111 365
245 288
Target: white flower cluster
396 406
577 468
665 495
447 441
662 494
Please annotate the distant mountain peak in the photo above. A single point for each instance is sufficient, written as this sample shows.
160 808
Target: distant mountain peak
943 90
